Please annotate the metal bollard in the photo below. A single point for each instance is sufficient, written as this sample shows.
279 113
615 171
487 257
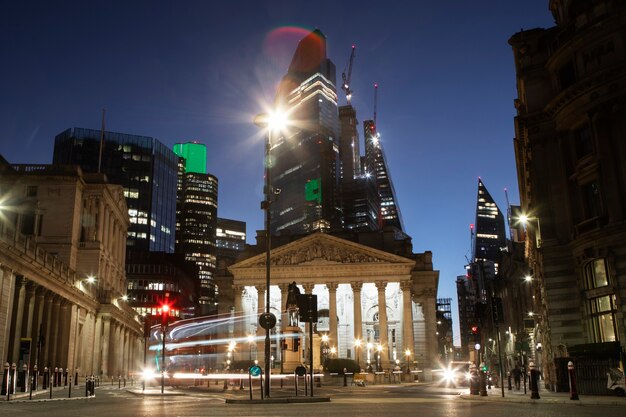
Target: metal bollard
36 378
345 377
23 378
119 381
572 381
76 377
54 381
509 377
534 386
13 385
65 374
69 391
6 381
46 378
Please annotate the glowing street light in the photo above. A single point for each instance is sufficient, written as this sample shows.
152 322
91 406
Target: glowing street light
357 345
272 121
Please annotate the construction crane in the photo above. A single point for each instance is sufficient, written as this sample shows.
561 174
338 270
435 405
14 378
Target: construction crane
375 101
346 78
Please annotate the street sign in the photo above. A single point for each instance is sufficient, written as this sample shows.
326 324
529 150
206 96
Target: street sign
267 320
255 370
300 371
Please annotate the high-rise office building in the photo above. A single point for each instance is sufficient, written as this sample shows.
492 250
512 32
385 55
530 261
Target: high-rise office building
490 238
376 165
305 158
143 166
230 238
196 219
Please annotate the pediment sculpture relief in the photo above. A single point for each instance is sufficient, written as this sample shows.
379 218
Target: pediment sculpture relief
322 252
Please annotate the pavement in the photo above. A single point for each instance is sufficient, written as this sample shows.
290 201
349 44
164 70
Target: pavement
545 396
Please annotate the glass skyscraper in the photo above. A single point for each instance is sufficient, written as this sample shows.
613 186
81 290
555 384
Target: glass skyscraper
305 159
143 166
196 219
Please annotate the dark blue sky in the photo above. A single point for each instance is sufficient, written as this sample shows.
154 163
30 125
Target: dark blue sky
201 70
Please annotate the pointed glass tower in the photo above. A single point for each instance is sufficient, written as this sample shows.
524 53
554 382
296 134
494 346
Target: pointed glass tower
376 165
490 232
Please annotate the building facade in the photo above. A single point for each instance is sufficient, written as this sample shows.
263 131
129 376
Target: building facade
62 280
196 220
143 166
571 115
490 238
305 156
365 294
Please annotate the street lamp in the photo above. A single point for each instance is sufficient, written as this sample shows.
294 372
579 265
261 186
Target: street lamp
379 348
525 220
272 121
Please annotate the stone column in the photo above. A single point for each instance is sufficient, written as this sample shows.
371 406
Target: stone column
65 326
430 320
19 316
106 342
29 312
407 318
332 314
55 323
358 321
38 327
260 332
98 347
7 292
284 293
382 323
240 318
47 329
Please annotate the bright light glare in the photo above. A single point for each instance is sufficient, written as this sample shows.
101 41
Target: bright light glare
448 375
148 374
523 219
91 279
528 278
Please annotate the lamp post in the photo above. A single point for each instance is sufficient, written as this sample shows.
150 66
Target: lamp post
271 122
525 220
250 342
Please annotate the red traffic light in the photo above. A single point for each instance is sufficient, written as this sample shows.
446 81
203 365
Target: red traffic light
165 308
474 329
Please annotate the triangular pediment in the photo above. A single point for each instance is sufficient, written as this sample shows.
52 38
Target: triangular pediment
322 249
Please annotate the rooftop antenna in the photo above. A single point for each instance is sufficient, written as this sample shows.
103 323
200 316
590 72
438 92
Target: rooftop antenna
101 142
375 101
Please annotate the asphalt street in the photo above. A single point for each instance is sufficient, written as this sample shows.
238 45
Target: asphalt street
400 401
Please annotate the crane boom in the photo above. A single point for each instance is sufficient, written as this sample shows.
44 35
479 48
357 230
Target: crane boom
346 78
375 101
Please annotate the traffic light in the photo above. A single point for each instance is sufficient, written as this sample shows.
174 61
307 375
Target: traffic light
165 314
476 333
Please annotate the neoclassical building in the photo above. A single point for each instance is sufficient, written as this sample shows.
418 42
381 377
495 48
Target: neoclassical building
62 279
364 294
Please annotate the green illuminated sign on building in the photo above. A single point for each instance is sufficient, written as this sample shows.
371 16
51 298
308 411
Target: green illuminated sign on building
313 190
194 154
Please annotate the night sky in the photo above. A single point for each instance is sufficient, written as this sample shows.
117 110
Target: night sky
200 70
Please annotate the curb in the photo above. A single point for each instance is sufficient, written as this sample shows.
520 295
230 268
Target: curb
524 400
287 400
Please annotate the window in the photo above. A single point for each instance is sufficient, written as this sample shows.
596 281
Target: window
596 274
602 317
583 141
592 206
31 191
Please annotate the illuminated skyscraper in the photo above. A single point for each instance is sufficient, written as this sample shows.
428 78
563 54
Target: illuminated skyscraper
196 219
376 165
305 159
490 232
143 166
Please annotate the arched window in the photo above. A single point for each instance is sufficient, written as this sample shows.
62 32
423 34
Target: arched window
601 304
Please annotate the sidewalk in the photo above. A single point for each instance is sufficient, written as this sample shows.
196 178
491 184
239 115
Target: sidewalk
514 396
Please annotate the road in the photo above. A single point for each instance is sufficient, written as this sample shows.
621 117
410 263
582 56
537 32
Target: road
396 401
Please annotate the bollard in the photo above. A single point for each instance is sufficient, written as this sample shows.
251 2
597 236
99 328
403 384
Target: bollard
345 377
534 386
76 377
69 391
46 376
23 378
33 378
124 381
13 384
54 381
51 386
119 381
36 377
5 381
509 378
67 371
572 381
